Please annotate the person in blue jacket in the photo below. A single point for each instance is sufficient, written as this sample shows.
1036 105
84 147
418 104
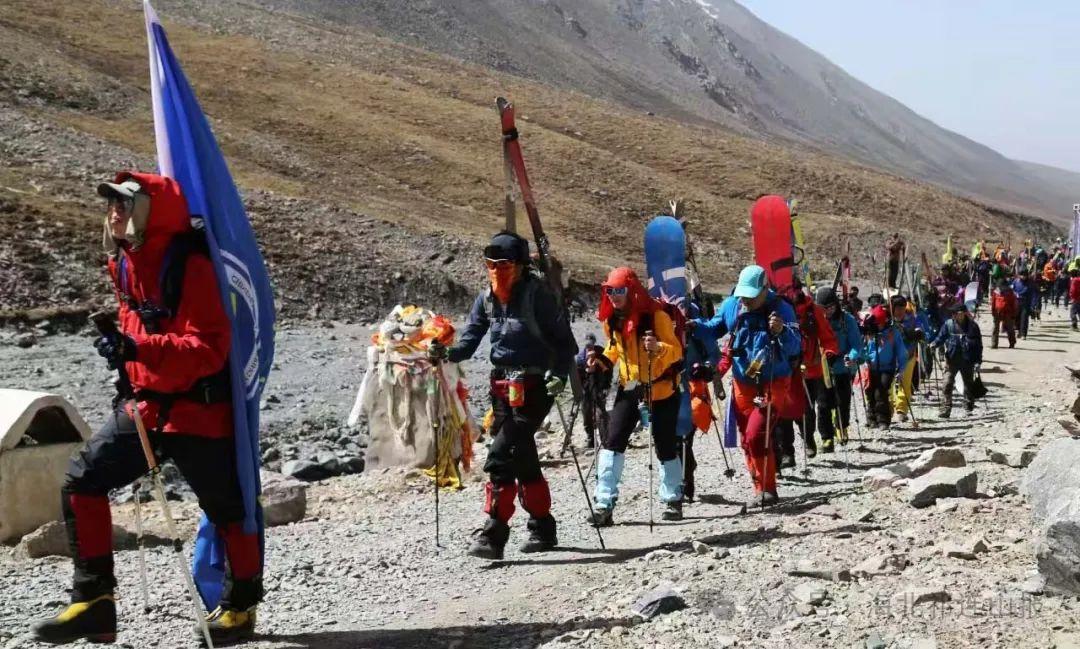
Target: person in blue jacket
886 356
1021 287
962 341
851 352
532 354
765 345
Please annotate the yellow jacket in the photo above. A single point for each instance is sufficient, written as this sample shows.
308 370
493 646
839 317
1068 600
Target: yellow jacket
633 358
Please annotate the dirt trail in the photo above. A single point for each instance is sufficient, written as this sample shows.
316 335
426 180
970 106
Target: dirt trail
363 570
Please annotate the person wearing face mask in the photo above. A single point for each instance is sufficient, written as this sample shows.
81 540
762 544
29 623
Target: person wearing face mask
765 348
641 339
173 342
532 354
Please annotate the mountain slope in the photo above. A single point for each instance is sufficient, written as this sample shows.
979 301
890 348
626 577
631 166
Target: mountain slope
372 170
708 60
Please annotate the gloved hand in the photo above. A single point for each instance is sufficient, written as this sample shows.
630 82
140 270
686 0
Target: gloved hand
721 393
830 357
437 352
116 349
554 384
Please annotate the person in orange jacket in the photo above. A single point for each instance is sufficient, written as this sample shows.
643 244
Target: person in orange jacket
641 339
810 403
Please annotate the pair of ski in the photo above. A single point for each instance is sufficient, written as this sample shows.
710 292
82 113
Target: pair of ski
516 176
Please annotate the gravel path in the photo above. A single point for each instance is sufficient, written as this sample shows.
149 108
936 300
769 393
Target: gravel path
363 569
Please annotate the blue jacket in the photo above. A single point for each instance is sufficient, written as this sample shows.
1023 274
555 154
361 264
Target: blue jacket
962 344
886 352
513 343
850 340
751 338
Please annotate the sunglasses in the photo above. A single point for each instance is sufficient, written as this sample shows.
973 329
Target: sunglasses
121 203
613 291
493 264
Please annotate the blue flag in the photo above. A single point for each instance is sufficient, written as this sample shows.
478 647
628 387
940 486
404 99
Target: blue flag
188 153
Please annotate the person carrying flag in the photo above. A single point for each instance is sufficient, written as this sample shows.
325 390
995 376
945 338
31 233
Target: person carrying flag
532 354
765 346
174 342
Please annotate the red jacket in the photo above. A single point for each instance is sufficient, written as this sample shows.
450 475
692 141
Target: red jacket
817 336
1004 305
1074 289
192 344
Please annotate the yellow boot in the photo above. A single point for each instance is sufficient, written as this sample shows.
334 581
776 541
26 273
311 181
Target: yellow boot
229 626
94 620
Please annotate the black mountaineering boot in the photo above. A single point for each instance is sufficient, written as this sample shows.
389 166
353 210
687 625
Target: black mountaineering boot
541 535
489 542
94 620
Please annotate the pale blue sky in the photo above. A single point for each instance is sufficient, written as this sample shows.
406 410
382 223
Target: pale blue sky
1005 73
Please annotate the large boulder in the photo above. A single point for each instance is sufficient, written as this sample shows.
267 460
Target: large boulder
1052 485
284 500
936 458
943 482
50 540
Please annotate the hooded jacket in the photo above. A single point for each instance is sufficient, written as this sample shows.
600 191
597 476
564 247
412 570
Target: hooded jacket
818 338
624 331
849 342
187 345
885 349
750 337
962 343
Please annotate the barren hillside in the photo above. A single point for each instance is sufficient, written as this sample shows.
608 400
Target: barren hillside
372 169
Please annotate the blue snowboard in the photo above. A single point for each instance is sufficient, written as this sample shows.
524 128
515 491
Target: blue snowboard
665 265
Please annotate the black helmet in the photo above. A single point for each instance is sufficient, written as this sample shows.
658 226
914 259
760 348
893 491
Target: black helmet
826 296
507 245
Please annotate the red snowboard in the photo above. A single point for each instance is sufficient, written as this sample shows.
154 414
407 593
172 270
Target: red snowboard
770 228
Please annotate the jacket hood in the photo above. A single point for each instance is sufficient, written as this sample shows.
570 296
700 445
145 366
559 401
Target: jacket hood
169 214
637 298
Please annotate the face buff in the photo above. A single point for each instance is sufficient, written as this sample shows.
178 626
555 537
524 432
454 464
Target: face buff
503 276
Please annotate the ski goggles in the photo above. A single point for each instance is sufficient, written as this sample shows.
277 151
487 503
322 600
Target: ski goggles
616 291
493 264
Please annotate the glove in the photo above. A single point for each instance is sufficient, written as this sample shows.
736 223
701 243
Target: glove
554 384
437 352
830 357
721 393
116 349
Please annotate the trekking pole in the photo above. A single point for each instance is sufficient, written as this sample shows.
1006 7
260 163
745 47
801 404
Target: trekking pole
863 385
840 423
805 417
106 327
436 428
729 473
140 542
581 478
652 424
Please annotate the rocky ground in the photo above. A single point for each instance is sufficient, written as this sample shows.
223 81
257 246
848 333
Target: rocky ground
838 564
